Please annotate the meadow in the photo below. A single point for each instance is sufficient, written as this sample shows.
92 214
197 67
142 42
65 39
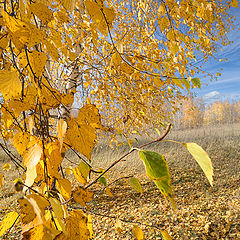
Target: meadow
203 212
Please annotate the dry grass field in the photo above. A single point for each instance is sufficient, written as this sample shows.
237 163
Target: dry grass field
203 212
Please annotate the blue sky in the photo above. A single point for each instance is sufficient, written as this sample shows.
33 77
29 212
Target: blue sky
227 86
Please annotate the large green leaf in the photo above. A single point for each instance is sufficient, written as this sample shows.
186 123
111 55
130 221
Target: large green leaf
202 158
157 170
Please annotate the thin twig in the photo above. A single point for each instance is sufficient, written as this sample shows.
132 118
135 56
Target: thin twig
132 150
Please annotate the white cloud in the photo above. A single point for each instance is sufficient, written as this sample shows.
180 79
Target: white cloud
212 95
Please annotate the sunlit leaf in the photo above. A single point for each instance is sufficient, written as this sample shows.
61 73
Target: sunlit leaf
8 221
41 202
40 232
6 167
68 4
101 15
32 156
76 225
108 192
64 187
81 133
27 212
138 233
202 158
1 180
90 227
10 85
37 61
118 226
22 33
81 172
20 141
82 196
234 3
165 235
42 12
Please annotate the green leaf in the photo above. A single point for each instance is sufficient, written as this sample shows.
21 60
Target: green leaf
157 170
103 181
202 158
134 182
196 82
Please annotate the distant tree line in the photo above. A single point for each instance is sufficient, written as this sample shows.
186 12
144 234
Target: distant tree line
195 113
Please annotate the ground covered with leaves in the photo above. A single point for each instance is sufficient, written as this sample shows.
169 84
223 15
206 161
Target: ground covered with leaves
203 212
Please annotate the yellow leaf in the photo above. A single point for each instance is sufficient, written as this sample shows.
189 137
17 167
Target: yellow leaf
134 182
101 15
41 202
165 235
42 12
116 59
1 180
82 196
49 97
26 211
81 172
138 233
27 103
118 226
61 130
8 221
202 158
178 82
57 208
68 4
234 3
30 159
20 141
81 137
90 227
64 187
130 142
69 170
22 33
127 68
89 114
54 158
37 61
31 124
10 85
40 232
108 192
32 156
67 99
76 225
4 40
52 50
31 175
6 167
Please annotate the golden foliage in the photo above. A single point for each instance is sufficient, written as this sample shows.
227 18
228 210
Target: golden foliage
59 55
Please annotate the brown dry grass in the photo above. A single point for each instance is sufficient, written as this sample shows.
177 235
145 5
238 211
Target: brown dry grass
203 212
